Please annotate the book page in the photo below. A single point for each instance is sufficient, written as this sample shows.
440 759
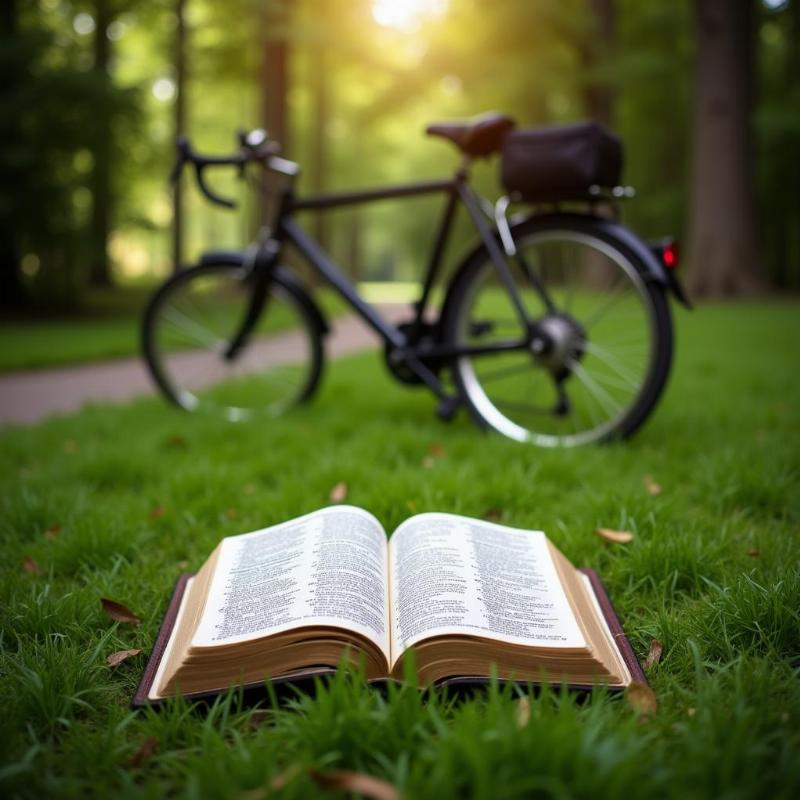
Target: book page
455 575
326 568
165 656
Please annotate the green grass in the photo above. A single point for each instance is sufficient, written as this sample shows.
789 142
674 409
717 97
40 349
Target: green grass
712 573
106 327
30 345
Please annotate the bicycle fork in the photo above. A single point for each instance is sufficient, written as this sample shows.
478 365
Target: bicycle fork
263 265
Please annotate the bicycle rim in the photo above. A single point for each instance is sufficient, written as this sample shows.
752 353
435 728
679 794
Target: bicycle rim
188 330
610 354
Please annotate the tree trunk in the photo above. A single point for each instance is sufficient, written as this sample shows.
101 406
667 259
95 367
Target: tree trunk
318 172
787 228
12 292
598 94
274 81
599 98
180 130
722 237
275 77
100 181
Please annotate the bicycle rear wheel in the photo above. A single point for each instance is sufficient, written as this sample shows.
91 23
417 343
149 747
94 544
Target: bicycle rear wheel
608 332
192 319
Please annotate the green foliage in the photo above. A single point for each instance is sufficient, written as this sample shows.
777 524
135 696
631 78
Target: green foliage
537 59
651 69
777 143
48 147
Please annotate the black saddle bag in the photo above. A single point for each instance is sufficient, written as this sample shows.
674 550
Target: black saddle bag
561 162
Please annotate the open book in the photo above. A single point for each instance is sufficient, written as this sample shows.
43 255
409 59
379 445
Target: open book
470 597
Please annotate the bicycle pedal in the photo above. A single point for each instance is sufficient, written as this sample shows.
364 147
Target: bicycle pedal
447 408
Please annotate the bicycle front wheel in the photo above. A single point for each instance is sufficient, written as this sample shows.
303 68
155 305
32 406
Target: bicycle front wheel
190 323
606 328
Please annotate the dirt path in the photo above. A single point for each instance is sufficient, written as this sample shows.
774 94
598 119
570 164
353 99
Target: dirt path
30 396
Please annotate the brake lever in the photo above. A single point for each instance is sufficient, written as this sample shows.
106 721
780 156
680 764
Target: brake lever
212 196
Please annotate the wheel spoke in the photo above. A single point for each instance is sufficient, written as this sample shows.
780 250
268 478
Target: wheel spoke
614 383
615 294
191 329
610 360
504 372
526 408
611 407
594 418
571 285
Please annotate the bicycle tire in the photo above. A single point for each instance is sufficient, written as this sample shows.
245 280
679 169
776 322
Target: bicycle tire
600 398
193 316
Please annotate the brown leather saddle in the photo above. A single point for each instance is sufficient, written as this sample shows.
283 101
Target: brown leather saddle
477 137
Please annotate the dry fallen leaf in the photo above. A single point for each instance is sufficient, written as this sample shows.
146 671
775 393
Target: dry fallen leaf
754 552
52 531
146 749
119 612
259 717
523 712
158 512
619 537
345 780
31 566
437 450
654 656
652 486
641 699
339 492
285 778
177 441
493 514
231 513
115 659
280 781
183 563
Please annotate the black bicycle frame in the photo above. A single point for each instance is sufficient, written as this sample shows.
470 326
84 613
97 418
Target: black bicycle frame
456 190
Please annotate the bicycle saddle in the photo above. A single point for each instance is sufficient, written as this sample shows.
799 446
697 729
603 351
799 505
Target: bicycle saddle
477 137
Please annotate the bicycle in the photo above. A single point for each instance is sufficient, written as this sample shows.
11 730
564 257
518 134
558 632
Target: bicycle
555 329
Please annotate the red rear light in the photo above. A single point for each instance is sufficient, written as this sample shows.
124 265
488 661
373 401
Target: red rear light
670 256
667 252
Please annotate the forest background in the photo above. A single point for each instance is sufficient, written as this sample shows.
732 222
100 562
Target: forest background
705 94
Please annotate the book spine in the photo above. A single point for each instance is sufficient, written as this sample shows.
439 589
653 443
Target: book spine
165 631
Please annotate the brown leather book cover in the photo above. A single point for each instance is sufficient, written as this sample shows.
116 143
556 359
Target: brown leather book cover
164 632
303 680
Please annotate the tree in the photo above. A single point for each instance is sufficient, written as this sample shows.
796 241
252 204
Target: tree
321 88
181 81
12 293
275 72
778 143
594 52
722 233
274 87
51 103
114 111
100 225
